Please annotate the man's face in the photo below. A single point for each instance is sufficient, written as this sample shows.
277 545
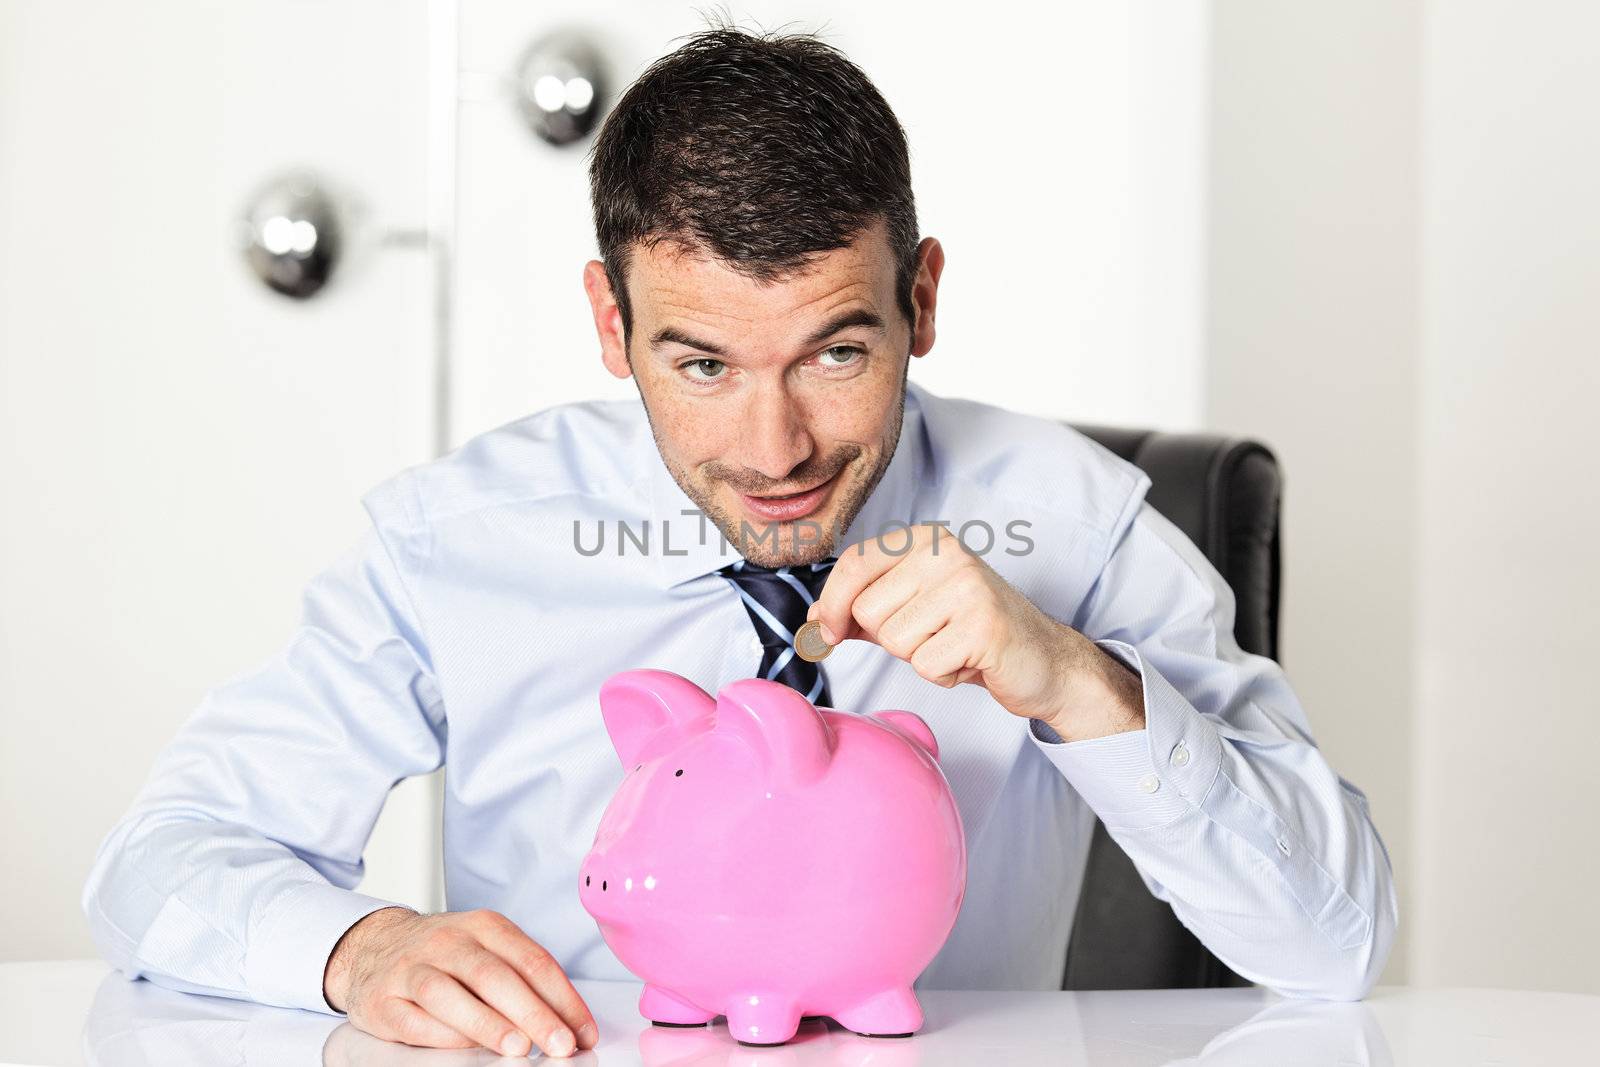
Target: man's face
776 407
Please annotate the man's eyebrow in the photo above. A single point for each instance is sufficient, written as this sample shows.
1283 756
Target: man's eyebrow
859 317
670 335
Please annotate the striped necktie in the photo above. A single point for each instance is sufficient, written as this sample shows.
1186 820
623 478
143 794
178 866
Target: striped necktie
777 600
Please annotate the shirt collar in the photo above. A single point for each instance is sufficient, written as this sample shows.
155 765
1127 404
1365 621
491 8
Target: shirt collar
688 546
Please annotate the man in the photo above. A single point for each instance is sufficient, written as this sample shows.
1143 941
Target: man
762 280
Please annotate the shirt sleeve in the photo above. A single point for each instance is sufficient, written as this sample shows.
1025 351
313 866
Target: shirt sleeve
232 874
1223 801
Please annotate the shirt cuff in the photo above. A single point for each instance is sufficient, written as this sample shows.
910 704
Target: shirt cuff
1139 779
288 954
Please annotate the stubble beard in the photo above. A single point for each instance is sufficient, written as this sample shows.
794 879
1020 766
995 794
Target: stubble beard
758 541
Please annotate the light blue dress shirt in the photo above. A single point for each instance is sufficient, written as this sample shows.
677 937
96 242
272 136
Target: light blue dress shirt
473 626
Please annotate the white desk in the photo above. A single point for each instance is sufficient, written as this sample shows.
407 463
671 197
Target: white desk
80 1011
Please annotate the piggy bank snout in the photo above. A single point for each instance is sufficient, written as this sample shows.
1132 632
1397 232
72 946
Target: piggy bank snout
605 883
597 891
598 875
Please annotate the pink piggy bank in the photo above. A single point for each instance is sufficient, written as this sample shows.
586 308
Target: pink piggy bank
768 860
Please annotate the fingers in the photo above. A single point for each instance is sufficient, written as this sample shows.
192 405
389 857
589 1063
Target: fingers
943 659
402 1020
867 565
469 978
492 980
564 1007
855 569
439 994
900 616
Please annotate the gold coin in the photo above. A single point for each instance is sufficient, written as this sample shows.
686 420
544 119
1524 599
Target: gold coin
808 643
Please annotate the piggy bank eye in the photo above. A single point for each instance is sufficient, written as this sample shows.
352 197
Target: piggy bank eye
679 774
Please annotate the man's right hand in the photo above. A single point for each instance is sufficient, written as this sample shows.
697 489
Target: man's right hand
456 980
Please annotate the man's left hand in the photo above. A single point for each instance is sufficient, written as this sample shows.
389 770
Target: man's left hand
946 612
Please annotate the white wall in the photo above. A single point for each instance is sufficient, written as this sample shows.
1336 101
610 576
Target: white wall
181 449
1312 348
1508 720
1404 261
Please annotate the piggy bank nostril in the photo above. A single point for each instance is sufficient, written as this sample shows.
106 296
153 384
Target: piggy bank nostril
586 879
602 887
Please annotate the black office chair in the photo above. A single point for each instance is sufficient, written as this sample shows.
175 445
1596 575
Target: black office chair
1225 494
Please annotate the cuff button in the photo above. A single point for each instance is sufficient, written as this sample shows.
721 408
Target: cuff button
1180 756
1149 783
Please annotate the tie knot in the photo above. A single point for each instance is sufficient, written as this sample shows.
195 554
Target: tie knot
809 576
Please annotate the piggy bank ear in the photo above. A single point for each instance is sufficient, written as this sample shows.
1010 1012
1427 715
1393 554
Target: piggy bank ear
910 722
789 736
639 706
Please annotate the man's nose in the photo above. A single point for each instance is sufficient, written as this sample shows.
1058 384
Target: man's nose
776 439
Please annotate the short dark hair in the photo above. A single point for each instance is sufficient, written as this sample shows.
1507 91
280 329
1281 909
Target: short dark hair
761 149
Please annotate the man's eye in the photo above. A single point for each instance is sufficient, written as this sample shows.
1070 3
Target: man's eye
711 368
843 356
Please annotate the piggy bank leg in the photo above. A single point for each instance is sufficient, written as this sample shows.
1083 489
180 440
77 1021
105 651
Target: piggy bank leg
893 1013
664 1009
763 1019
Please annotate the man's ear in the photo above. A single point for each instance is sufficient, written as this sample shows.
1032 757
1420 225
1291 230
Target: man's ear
607 319
925 294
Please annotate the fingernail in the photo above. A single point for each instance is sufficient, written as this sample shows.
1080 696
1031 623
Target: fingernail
560 1043
587 1035
827 635
516 1045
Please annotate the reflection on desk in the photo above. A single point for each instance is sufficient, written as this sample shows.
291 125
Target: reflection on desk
137 1023
82 1012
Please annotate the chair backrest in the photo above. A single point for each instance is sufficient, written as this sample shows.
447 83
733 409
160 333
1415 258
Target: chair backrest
1225 494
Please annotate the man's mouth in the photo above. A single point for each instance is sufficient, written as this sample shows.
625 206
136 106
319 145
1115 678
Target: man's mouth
788 507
